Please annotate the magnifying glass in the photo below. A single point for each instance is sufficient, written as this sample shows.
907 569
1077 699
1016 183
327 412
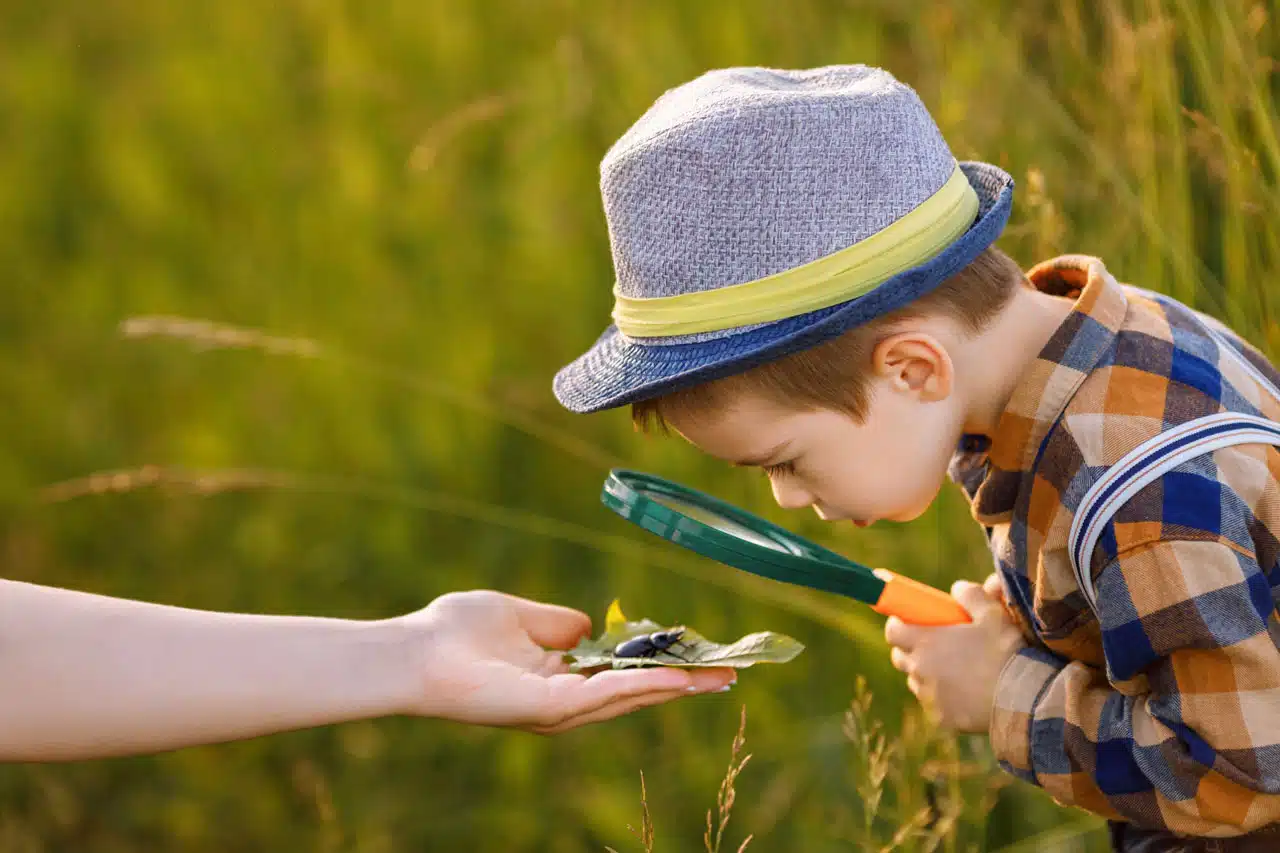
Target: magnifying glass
735 537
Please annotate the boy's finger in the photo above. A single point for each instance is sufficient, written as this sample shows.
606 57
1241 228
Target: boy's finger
920 689
900 634
993 586
900 660
974 599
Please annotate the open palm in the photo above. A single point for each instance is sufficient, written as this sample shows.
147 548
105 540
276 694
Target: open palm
495 659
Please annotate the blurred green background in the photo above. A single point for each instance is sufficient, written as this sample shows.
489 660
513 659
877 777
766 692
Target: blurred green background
413 188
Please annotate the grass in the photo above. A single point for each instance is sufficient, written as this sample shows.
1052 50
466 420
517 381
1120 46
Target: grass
726 796
913 792
713 838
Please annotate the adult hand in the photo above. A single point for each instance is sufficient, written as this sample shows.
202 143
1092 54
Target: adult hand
494 659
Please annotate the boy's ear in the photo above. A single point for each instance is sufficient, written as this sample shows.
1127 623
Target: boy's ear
917 363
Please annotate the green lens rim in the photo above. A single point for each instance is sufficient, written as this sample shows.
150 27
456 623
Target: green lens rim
802 561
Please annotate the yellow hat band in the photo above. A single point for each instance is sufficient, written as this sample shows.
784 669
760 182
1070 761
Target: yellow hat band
839 277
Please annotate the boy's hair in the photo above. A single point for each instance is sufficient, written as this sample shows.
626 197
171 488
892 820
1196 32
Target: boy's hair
835 375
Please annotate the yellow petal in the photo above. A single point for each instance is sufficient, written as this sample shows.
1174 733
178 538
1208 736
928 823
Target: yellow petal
614 618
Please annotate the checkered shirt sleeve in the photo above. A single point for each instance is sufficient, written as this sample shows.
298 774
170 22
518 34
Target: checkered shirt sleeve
1181 731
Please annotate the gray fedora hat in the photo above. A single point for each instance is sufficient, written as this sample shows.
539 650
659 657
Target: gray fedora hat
755 212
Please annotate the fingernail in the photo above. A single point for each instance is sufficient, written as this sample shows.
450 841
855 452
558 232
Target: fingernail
726 688
692 688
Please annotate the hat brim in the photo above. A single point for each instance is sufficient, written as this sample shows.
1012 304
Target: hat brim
617 371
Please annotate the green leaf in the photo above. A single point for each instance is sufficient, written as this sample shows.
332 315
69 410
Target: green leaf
692 650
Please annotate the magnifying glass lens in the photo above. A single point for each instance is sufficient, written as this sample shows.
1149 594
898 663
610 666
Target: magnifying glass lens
751 543
713 519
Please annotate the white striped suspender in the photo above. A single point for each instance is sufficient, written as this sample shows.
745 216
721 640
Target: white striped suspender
1155 457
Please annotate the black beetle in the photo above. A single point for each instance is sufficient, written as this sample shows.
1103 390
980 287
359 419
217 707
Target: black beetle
649 645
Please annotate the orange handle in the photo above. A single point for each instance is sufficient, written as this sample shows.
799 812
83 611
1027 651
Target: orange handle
917 603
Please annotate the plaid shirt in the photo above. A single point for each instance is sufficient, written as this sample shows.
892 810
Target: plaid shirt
1164 710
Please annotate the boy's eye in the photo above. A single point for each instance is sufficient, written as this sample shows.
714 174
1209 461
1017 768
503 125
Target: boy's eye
780 468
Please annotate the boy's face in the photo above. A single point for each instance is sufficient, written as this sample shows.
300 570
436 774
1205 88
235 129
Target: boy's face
889 468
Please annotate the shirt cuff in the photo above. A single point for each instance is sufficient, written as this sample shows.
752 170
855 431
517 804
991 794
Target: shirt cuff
1021 683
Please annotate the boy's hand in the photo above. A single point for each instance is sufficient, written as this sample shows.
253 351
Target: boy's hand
483 657
953 669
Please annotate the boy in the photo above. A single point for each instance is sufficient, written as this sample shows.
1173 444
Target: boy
806 282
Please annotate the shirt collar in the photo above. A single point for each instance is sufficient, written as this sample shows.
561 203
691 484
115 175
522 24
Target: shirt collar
991 471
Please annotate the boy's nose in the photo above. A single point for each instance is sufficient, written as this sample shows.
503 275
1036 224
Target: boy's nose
791 496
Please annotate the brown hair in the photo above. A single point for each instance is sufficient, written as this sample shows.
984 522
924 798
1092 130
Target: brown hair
834 375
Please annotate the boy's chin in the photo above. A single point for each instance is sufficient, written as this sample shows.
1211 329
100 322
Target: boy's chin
909 515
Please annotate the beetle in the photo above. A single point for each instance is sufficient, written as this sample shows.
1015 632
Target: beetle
650 645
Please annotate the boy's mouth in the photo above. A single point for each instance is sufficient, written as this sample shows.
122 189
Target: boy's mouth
835 517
